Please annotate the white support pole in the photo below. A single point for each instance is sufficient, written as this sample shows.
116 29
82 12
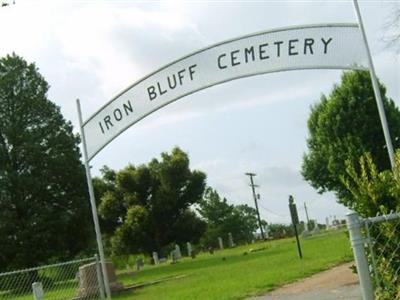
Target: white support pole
99 277
93 205
375 85
357 243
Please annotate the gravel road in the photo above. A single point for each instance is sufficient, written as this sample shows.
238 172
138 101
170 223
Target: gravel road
334 284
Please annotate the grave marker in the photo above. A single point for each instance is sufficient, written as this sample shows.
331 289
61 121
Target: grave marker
230 240
189 249
155 258
220 243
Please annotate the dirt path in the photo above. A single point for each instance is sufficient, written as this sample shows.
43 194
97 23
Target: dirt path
337 283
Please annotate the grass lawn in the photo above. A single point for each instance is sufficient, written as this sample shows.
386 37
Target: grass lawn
229 274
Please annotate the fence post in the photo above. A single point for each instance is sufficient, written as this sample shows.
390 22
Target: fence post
357 242
99 278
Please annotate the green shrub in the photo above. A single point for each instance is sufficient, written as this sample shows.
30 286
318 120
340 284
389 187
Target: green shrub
375 193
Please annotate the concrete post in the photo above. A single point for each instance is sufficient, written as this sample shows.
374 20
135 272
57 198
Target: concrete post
357 242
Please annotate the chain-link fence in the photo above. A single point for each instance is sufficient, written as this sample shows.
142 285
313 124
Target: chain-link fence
383 253
376 247
78 279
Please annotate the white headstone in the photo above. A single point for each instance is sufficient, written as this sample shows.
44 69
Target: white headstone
37 289
327 222
139 263
230 240
178 252
155 258
266 231
174 256
189 249
220 243
316 227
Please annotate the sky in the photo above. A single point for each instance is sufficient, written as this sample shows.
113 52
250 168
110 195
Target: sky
92 50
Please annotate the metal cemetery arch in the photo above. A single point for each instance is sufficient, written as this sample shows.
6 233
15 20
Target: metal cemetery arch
325 46
328 46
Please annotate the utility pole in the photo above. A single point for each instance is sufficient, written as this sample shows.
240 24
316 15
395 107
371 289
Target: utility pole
255 202
308 220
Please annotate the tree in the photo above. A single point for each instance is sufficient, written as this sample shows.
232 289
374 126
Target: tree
44 213
223 218
344 126
392 32
146 208
278 231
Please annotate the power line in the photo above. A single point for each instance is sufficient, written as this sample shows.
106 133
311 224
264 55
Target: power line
272 212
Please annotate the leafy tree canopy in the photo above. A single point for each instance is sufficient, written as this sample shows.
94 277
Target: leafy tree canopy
344 126
147 207
223 218
44 212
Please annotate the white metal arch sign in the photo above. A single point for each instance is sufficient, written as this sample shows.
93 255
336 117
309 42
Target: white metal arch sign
327 46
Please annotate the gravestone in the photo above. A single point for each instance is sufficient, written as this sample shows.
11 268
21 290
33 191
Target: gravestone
335 223
174 257
306 231
266 231
220 243
230 240
189 249
155 258
178 252
316 227
88 280
327 223
139 263
37 289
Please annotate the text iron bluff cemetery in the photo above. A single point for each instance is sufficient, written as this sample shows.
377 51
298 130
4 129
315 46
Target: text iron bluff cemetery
336 46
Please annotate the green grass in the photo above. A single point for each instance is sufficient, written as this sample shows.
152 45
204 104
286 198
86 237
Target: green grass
239 276
227 274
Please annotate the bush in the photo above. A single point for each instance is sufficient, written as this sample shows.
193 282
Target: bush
123 261
375 193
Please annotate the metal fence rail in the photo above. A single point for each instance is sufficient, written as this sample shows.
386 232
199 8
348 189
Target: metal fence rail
376 247
56 282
